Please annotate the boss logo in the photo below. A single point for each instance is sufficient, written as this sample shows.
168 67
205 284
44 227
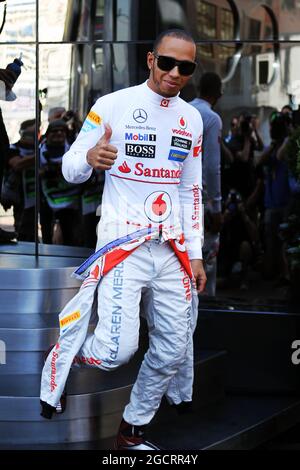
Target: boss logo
141 151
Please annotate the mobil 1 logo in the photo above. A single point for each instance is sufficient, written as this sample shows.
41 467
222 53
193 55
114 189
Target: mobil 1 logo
139 137
181 143
140 150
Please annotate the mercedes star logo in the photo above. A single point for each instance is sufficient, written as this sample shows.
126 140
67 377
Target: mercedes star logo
140 116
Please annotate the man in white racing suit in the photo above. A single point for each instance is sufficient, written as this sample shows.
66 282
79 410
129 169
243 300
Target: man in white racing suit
148 141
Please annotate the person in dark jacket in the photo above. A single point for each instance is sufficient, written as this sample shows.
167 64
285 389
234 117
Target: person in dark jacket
8 77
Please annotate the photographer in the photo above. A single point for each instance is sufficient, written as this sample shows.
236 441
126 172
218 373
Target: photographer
8 78
21 165
239 236
74 125
60 200
242 144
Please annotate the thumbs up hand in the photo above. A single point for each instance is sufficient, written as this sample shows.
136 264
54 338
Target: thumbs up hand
103 155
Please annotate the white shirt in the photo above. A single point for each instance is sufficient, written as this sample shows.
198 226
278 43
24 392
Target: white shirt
156 178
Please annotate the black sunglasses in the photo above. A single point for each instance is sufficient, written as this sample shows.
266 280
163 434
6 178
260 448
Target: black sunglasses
166 64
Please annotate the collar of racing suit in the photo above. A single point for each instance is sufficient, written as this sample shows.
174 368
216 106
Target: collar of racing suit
157 99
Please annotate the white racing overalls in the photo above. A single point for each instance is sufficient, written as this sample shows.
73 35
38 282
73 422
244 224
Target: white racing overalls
152 195
156 267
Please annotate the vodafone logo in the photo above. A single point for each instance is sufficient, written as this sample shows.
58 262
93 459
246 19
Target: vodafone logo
158 206
182 122
164 103
124 168
182 132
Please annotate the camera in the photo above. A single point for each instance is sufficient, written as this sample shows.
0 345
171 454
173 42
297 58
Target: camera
245 124
296 117
279 125
69 115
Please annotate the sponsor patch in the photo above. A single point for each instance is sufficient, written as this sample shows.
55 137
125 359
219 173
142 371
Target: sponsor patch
164 103
141 151
93 117
196 151
69 319
182 132
140 115
92 361
140 137
124 168
92 122
54 358
196 205
186 284
158 206
177 155
156 172
182 122
181 143
140 128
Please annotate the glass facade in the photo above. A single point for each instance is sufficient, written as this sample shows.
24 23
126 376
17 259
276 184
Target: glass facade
75 51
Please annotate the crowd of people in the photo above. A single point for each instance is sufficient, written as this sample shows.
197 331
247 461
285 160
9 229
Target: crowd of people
256 195
247 193
67 211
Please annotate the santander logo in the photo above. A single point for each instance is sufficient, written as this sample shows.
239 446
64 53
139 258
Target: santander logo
159 206
141 170
124 168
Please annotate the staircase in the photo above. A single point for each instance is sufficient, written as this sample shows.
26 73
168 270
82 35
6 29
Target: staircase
246 390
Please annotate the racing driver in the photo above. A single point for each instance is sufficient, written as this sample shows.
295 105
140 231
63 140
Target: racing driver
148 142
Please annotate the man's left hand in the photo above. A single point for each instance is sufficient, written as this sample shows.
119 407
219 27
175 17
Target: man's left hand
199 274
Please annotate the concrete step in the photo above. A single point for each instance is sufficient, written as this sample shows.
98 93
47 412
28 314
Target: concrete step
236 423
92 412
28 248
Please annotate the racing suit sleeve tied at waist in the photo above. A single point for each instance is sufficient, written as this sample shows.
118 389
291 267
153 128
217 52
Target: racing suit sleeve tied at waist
116 251
75 345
